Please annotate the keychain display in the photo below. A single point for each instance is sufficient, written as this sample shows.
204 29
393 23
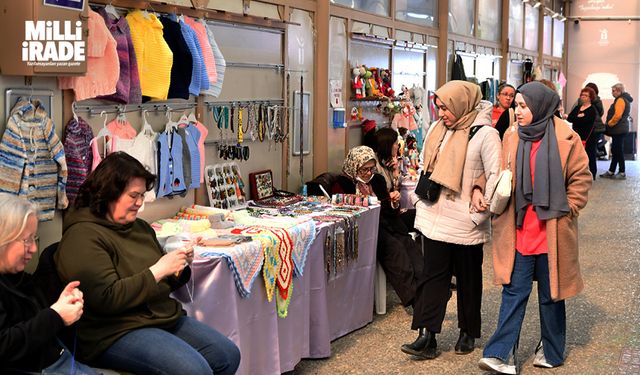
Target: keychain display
225 186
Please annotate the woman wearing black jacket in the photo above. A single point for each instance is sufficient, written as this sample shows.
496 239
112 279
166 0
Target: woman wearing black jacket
398 254
28 327
583 119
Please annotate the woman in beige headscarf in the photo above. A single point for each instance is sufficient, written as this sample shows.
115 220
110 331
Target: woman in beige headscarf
458 150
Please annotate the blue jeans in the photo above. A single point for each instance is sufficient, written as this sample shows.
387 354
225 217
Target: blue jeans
190 347
514 303
65 363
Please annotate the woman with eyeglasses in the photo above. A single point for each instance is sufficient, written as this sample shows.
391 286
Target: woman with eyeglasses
29 323
460 148
502 116
131 323
397 253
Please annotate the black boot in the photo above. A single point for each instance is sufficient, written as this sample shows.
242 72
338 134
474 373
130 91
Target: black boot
425 346
465 343
416 345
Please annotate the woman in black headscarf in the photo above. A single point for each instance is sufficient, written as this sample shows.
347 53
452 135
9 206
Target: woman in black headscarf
536 237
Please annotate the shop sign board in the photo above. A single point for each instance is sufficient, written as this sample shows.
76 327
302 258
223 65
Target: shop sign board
67 4
48 37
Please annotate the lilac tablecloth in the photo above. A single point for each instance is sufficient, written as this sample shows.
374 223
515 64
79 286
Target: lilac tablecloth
321 309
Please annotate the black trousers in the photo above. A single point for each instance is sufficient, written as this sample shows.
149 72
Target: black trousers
592 152
399 255
617 153
433 292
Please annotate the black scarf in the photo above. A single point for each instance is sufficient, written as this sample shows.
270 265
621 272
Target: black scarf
548 196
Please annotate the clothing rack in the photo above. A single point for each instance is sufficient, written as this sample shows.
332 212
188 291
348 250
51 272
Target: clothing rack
475 55
94 110
241 103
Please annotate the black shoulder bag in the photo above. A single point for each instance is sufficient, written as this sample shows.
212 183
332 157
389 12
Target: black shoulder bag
430 190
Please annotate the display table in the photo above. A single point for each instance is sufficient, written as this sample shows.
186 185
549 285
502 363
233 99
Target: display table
323 307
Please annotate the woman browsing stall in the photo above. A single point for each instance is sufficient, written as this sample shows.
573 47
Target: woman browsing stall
536 237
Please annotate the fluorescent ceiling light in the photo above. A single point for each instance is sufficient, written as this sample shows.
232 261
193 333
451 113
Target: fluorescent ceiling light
537 5
417 15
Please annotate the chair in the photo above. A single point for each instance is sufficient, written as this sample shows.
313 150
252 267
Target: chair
380 280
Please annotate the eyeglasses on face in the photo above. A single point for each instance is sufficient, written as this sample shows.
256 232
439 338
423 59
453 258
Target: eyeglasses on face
508 95
28 242
365 170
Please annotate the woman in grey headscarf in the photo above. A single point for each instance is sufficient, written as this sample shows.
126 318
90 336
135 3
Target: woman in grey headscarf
537 235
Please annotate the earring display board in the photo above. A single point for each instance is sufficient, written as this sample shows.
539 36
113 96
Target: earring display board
261 184
295 125
225 186
44 96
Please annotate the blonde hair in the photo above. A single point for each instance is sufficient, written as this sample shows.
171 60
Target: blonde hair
13 219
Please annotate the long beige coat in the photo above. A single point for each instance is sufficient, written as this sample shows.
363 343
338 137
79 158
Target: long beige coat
562 233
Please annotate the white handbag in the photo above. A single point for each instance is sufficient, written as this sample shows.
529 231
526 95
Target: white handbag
501 192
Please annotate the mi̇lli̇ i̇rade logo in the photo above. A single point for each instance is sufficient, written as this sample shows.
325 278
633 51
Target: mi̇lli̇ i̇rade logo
53 43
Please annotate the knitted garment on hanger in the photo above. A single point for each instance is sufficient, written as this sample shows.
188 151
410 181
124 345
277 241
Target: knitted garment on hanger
153 55
32 159
207 52
199 77
77 138
103 66
221 65
182 67
244 260
128 87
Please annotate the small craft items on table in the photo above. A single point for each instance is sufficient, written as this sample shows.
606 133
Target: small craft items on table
265 195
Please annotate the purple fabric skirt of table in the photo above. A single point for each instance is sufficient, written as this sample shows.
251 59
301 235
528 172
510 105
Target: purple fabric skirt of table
321 309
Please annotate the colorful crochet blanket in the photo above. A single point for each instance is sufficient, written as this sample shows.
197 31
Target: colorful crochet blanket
244 260
303 236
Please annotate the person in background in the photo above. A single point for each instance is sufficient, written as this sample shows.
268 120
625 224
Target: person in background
29 325
131 323
583 119
502 116
598 125
536 237
460 148
560 110
618 128
398 254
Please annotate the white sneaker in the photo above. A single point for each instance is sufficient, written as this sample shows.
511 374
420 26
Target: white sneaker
539 360
496 365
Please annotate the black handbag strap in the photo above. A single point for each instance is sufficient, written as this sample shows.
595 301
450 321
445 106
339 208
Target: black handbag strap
474 130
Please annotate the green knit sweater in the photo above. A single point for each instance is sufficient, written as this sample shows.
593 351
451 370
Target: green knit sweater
112 262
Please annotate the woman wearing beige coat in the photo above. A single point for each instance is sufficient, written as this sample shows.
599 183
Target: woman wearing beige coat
537 235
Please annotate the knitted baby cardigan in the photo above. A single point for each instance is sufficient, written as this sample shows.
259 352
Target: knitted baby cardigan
153 54
32 160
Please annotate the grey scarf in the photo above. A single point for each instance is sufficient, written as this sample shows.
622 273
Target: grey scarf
547 194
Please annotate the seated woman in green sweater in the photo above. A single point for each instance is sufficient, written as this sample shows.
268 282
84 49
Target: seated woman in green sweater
130 322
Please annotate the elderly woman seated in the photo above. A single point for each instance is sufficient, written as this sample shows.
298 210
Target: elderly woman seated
29 327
